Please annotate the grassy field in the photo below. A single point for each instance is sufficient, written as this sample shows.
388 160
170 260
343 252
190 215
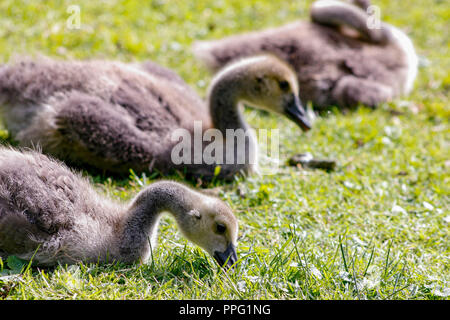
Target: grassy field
375 228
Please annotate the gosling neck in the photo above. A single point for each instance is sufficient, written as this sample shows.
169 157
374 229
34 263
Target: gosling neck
140 228
224 96
224 103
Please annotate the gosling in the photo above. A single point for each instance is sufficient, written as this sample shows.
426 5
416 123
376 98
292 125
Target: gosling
340 60
114 116
52 215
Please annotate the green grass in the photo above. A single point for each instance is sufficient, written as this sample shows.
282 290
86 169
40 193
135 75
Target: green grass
375 228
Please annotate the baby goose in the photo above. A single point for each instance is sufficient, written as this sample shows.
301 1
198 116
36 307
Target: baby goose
116 116
53 215
340 58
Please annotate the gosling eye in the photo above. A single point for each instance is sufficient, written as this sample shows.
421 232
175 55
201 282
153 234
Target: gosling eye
220 228
284 85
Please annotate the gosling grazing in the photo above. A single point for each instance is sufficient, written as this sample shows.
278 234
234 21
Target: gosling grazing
52 215
115 116
339 57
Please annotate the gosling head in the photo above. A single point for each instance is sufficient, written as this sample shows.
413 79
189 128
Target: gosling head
269 83
212 225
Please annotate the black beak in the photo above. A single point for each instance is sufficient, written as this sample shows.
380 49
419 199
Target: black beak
228 258
295 111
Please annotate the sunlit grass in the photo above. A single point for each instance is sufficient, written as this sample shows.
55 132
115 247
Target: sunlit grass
375 228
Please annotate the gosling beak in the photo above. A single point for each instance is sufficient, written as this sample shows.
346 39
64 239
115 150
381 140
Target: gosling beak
228 258
295 111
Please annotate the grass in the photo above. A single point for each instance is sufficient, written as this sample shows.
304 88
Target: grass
375 228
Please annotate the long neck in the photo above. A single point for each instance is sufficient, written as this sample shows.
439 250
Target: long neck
224 99
224 105
140 228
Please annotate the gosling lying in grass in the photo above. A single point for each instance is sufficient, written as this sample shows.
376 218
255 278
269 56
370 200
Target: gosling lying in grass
52 215
340 59
115 116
